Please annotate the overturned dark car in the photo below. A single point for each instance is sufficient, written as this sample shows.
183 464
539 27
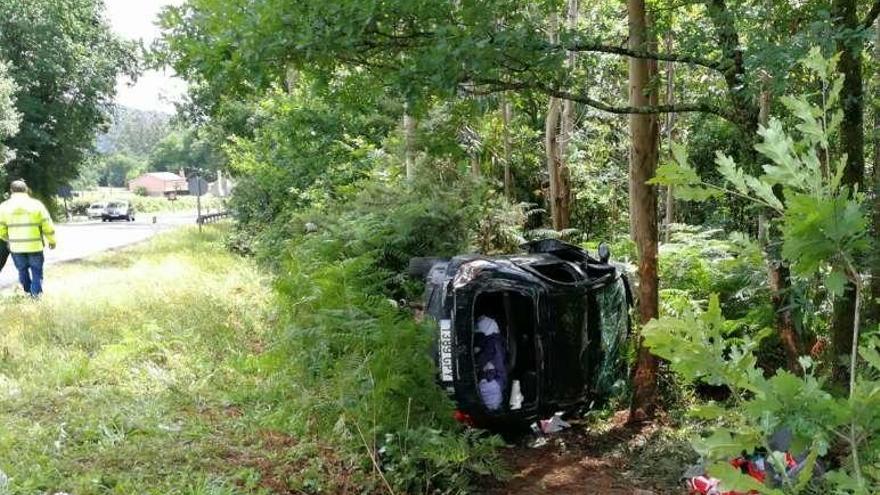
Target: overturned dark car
520 337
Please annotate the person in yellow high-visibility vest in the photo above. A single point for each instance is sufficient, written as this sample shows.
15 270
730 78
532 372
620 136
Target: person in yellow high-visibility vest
26 226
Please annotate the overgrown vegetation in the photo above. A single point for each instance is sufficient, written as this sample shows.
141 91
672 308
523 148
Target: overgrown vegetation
824 238
350 365
361 134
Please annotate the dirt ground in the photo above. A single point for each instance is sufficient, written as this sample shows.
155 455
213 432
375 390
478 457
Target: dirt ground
611 458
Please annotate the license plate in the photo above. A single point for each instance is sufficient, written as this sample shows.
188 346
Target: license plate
446 350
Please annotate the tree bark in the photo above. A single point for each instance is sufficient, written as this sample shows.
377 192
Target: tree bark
670 124
554 162
567 125
780 296
874 303
508 148
556 169
852 142
566 130
745 111
778 272
644 135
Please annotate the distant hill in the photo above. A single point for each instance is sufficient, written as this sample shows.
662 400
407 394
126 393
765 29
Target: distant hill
134 132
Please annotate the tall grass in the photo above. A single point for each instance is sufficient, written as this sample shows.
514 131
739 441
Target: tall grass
119 379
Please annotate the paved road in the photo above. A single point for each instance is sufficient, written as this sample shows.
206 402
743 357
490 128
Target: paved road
80 240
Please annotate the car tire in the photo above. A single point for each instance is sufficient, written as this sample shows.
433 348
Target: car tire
419 267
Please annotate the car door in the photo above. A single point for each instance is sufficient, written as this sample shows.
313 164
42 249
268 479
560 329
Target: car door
566 326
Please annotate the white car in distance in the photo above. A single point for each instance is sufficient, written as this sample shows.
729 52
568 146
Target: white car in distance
96 210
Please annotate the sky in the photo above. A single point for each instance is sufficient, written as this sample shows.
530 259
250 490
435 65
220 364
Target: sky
135 20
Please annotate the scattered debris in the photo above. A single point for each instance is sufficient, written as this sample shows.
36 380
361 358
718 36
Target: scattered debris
539 442
756 466
552 425
516 396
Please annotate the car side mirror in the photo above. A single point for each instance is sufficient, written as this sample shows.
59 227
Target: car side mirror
604 252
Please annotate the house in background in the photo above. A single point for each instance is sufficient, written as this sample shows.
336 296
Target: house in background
159 184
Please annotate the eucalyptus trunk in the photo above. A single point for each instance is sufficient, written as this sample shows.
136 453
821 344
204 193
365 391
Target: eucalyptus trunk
558 213
508 148
644 136
670 127
874 305
556 170
852 142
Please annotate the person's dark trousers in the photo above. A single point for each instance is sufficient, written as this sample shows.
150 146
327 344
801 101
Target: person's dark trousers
4 254
30 272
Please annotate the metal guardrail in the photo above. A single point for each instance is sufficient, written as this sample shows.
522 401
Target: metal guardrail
212 217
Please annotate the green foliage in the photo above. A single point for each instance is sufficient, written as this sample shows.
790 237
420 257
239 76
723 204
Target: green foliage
64 60
116 170
697 263
138 142
309 146
133 132
704 346
9 116
184 149
823 224
349 364
824 231
599 167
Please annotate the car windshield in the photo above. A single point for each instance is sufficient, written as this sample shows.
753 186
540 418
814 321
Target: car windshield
116 205
97 205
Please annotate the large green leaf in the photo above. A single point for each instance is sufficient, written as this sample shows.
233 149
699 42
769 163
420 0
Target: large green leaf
733 480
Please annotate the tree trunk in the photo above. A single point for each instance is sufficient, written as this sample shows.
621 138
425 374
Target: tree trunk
780 297
874 304
556 169
745 109
670 124
852 142
409 132
554 162
644 134
778 272
567 125
566 130
508 148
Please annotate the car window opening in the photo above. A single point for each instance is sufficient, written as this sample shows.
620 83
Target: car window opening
504 350
557 272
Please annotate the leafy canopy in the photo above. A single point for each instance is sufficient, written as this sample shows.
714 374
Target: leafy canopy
64 60
823 224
